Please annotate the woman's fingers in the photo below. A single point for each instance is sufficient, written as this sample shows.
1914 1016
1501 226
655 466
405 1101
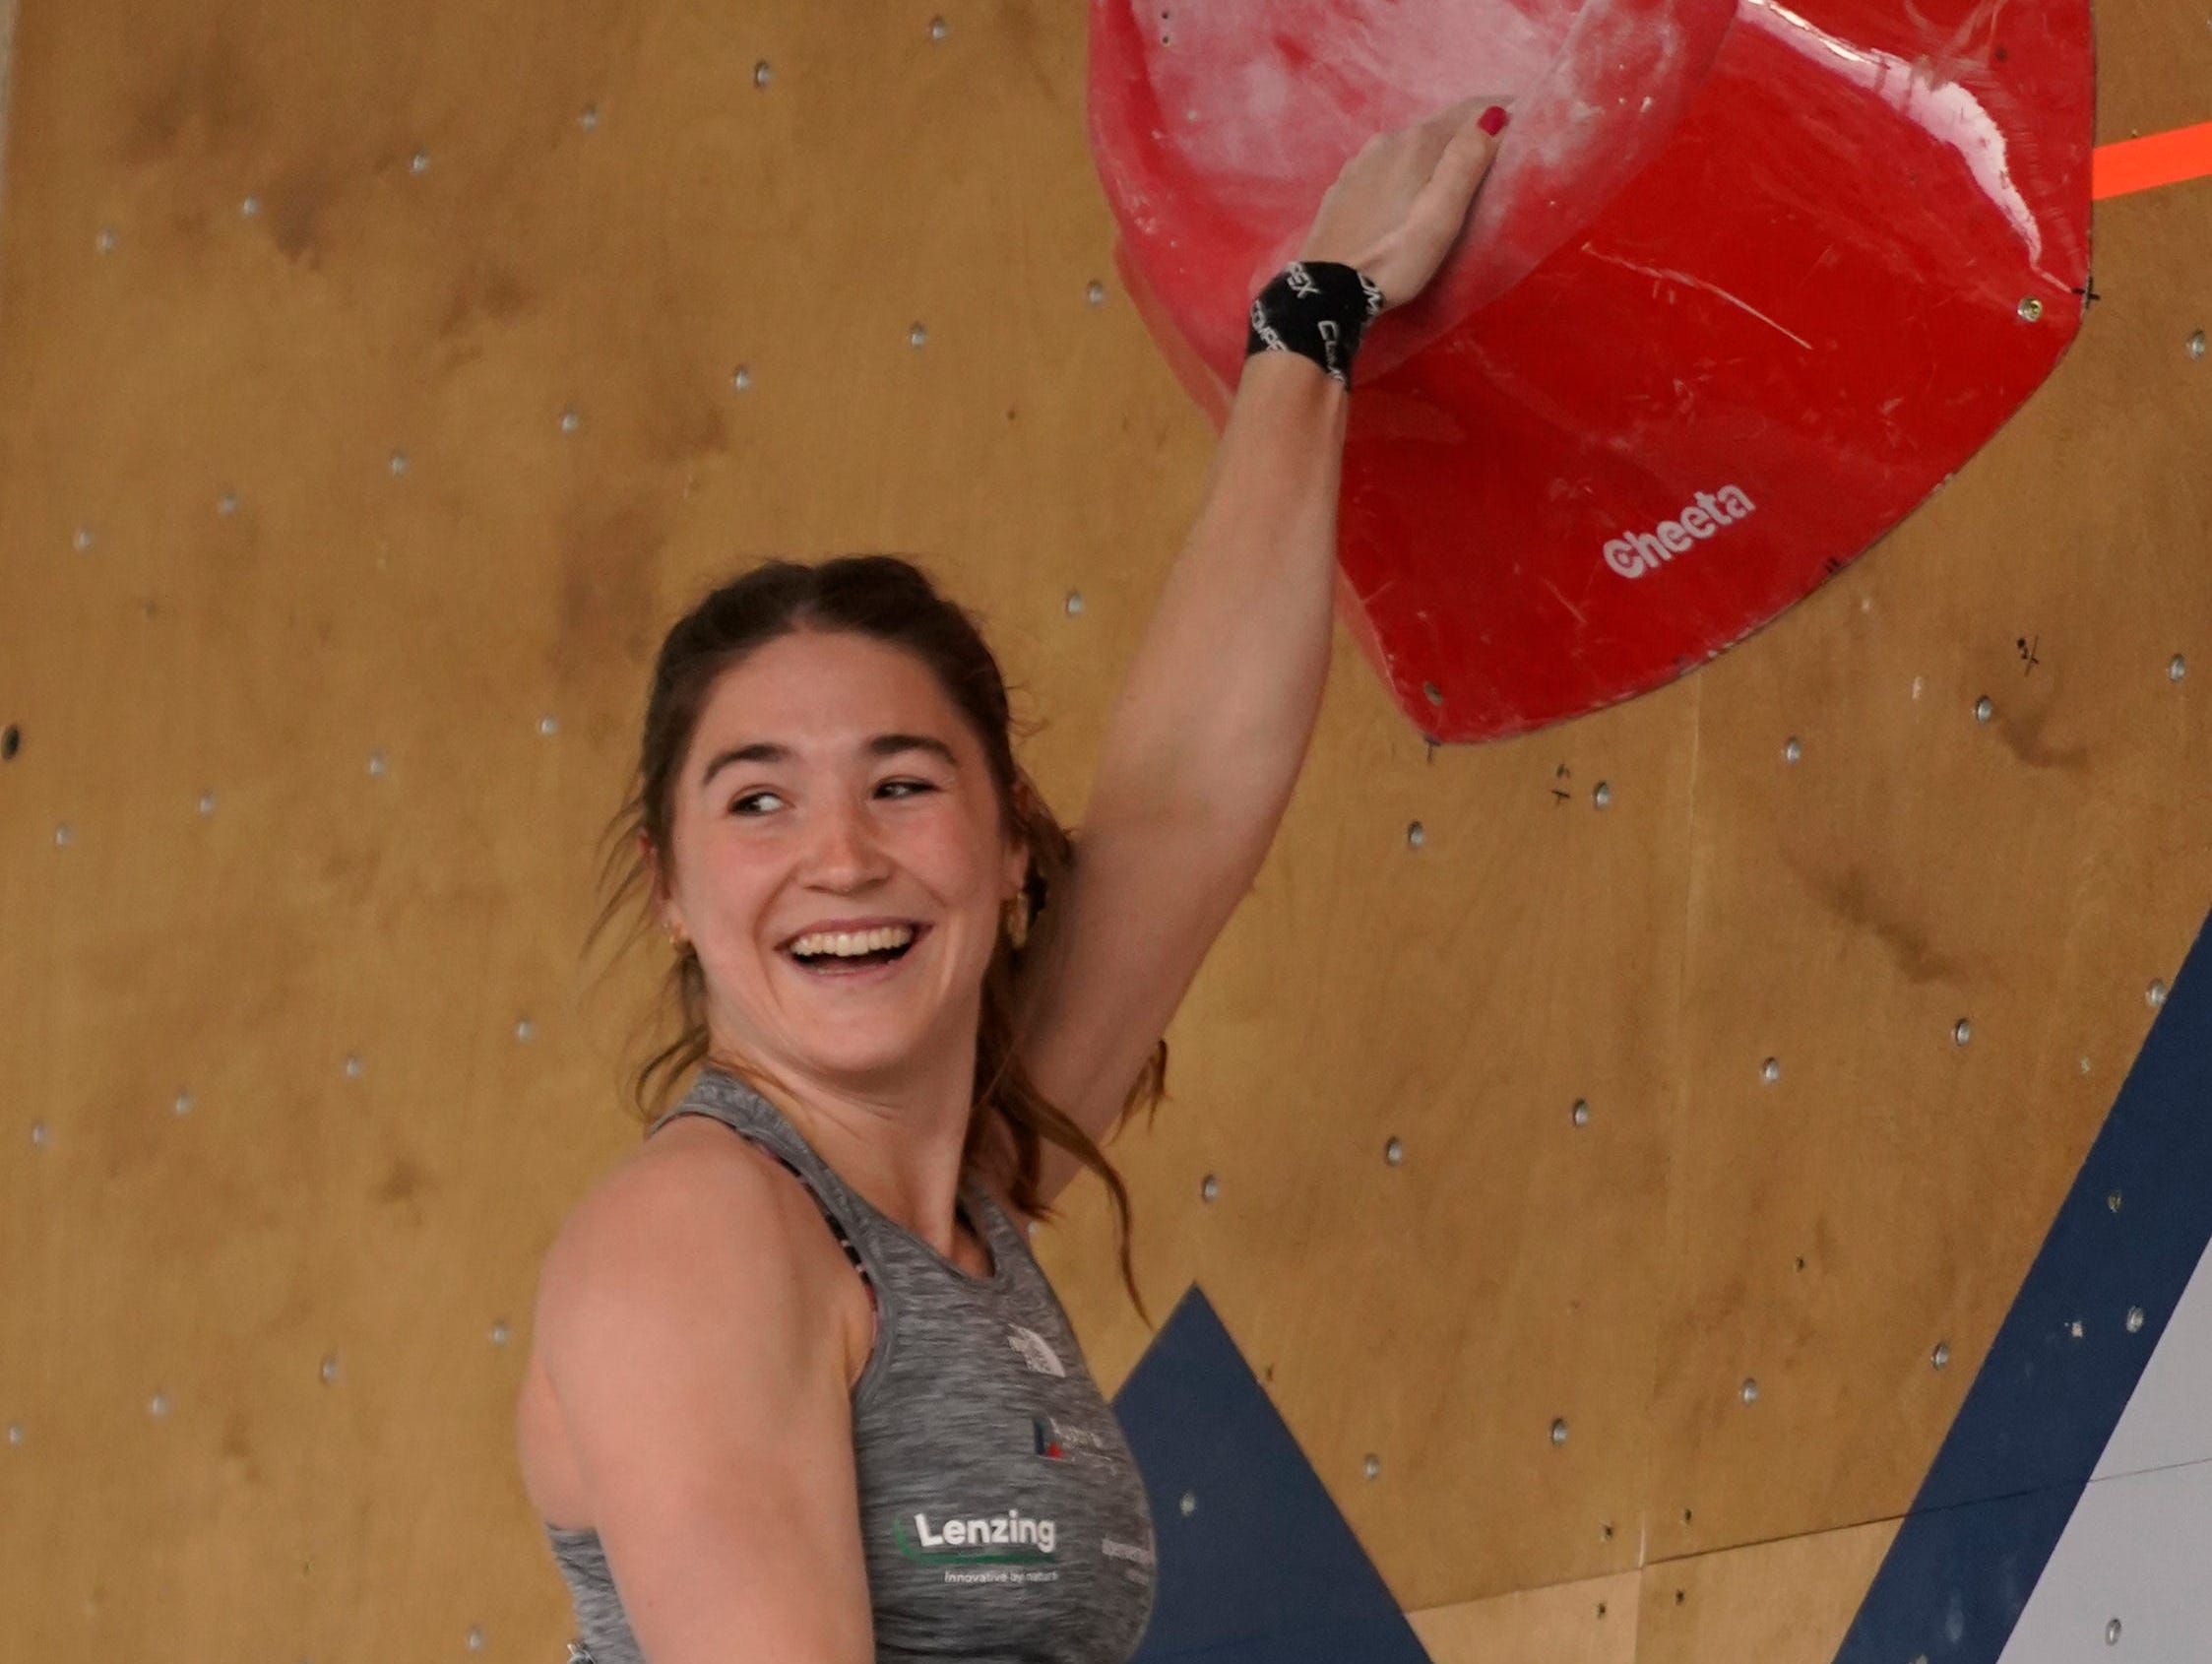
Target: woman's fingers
1400 205
1458 167
1461 150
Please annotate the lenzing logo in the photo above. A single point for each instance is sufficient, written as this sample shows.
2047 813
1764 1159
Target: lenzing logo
1010 1536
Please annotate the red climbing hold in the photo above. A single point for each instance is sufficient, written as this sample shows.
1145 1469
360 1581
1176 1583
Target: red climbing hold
1745 283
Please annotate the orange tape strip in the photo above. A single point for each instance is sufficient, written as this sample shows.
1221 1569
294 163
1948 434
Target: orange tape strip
2163 159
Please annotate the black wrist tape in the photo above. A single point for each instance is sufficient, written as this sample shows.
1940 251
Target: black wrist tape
1318 309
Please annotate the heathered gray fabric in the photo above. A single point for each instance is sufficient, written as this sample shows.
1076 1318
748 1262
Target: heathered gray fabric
1003 1518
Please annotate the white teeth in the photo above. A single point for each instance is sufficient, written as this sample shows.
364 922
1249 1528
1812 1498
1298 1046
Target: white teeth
850 943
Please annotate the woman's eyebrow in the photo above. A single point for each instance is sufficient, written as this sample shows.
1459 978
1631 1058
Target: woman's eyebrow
773 751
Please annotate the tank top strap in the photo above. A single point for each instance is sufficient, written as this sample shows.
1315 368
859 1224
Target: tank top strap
993 1222
876 1245
726 1099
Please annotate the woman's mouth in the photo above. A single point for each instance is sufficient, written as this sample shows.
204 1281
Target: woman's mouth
872 967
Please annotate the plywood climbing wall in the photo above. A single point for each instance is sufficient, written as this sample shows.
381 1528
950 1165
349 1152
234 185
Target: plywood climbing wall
375 388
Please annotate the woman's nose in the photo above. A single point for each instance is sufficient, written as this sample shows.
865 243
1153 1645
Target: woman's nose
846 845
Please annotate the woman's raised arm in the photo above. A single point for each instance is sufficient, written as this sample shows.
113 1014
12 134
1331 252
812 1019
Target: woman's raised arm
1212 721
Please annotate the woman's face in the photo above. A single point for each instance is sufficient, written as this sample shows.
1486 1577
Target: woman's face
830 780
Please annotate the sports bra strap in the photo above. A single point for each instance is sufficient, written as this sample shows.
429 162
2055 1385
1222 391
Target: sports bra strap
837 1228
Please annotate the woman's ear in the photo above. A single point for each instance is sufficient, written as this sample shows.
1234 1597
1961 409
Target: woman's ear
1025 806
656 885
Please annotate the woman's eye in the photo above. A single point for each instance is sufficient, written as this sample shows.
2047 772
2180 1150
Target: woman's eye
907 788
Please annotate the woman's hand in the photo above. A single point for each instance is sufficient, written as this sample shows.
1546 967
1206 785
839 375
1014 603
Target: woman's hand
1400 202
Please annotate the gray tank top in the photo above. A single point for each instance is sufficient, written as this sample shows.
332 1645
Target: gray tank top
1002 1515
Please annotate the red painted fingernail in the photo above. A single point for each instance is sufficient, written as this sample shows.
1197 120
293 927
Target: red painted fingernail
1494 120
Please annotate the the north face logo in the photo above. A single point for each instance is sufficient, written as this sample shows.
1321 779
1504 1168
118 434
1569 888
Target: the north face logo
1036 1352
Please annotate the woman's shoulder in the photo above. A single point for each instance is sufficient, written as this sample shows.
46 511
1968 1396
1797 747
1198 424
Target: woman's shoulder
701 1158
682 1279
695 1184
694 1207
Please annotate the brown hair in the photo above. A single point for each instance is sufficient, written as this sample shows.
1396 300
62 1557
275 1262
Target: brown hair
892 601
